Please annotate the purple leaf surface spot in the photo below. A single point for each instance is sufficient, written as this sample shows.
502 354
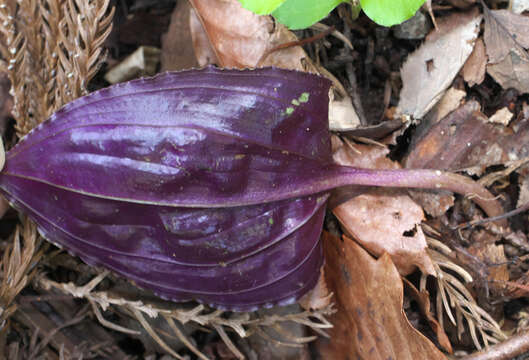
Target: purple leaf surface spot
203 184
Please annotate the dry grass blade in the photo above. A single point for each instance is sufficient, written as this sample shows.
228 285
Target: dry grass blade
243 324
52 49
18 267
222 333
153 334
453 295
184 338
82 31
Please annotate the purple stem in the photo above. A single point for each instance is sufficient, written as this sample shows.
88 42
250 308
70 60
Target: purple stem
337 176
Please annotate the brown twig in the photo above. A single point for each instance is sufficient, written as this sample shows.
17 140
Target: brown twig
508 349
519 210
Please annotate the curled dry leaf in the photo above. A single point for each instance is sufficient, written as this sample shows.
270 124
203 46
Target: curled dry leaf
370 322
465 139
319 297
476 65
507 38
383 221
204 52
511 72
423 299
461 140
244 41
429 71
504 32
177 52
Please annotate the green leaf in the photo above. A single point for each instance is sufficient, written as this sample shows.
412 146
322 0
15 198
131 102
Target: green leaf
390 12
300 14
261 7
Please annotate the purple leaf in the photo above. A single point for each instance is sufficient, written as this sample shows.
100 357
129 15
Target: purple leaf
204 184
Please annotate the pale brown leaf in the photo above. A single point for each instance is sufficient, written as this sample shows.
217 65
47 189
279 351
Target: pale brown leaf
511 72
430 70
246 39
204 52
476 65
370 322
319 297
505 32
177 52
423 299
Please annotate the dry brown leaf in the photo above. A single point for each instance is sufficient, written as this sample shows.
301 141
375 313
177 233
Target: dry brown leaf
462 139
504 32
484 248
476 64
177 49
448 103
429 71
511 72
319 297
204 52
382 220
370 322
423 299
244 40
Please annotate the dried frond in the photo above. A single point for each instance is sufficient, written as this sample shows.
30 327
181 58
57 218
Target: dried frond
18 267
13 50
452 295
243 324
83 30
52 49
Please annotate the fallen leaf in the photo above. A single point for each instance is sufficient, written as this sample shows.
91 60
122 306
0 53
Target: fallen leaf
205 54
382 220
476 64
430 70
448 103
505 32
369 322
483 247
177 52
511 72
463 139
245 40
423 299
502 116
319 297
